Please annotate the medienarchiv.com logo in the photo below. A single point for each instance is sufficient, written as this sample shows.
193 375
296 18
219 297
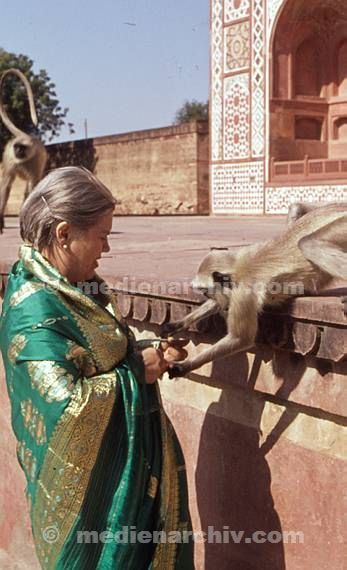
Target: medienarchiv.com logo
130 535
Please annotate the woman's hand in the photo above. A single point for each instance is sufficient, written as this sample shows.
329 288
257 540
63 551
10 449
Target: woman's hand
157 360
155 364
173 349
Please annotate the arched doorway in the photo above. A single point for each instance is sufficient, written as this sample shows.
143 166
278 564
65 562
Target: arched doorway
308 99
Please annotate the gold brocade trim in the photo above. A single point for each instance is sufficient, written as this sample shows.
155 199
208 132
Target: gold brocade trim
165 553
70 458
24 292
33 421
16 346
51 380
27 460
106 340
104 335
152 487
81 358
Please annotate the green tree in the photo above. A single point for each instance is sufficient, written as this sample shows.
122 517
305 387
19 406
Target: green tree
50 115
192 111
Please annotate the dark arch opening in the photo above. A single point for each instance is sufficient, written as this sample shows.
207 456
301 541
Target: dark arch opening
308 100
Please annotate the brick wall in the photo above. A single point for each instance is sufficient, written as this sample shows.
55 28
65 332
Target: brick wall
157 171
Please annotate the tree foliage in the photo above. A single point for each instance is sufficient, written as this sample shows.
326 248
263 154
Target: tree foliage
51 116
192 111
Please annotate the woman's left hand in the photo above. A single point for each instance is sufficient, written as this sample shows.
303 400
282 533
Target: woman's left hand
174 350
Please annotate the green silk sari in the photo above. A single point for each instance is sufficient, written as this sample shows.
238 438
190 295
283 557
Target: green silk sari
98 452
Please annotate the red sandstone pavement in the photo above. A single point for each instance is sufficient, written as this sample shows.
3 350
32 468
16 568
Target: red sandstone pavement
161 248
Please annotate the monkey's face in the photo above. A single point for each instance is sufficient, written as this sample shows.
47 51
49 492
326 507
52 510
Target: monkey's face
214 277
20 150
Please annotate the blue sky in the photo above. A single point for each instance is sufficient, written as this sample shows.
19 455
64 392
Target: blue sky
119 77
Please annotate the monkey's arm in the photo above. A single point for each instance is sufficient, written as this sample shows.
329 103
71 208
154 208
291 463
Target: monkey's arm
210 307
326 248
242 322
224 347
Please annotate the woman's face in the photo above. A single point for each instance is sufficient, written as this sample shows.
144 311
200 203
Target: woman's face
87 248
76 252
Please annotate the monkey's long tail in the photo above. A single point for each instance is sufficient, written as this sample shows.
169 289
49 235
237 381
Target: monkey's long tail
3 113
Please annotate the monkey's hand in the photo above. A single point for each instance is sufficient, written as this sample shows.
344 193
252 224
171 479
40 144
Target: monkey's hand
179 368
170 328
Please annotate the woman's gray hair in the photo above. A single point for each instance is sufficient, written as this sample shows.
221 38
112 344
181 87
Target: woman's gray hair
70 194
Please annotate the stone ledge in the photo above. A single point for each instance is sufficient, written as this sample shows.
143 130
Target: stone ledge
315 326
310 326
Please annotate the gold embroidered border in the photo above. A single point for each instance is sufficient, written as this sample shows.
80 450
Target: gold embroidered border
25 291
107 342
50 379
17 344
100 328
70 458
165 554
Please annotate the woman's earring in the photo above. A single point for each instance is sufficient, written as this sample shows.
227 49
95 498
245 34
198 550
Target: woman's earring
65 245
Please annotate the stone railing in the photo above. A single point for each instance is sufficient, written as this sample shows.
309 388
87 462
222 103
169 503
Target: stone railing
314 326
308 170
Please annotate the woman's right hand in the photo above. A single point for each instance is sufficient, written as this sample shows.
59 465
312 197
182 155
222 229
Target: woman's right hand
155 364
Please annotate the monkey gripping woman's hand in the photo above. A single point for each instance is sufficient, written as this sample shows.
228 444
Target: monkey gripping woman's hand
156 360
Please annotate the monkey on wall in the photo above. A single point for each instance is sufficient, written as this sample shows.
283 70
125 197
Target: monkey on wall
310 253
24 155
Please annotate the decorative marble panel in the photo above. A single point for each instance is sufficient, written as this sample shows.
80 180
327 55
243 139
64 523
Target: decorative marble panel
277 199
236 9
216 79
237 47
273 7
258 79
238 188
236 117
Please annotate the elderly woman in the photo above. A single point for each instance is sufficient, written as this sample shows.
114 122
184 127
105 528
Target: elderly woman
97 449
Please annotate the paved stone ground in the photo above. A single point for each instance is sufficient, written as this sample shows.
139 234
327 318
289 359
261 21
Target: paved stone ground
162 248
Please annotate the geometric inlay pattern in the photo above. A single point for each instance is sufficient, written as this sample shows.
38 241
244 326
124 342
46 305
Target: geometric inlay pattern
236 117
277 199
238 188
217 80
258 79
236 47
236 9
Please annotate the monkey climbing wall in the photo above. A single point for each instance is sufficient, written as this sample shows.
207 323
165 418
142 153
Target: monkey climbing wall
247 176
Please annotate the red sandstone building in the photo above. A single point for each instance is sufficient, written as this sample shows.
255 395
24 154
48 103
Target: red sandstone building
279 104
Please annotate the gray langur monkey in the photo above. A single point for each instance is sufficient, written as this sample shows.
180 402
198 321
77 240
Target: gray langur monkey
24 155
238 284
